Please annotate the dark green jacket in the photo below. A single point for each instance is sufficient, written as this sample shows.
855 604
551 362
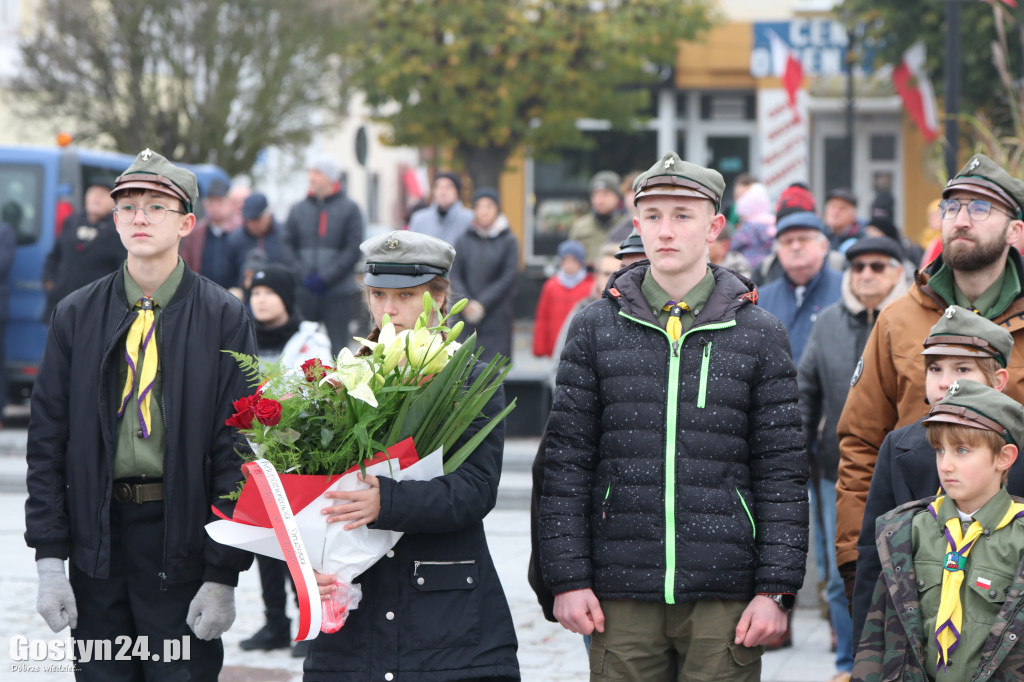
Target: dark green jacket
892 642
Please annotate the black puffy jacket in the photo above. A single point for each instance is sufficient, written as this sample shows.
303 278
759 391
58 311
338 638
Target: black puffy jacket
72 435
675 471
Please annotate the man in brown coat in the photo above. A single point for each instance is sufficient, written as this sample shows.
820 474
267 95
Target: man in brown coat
982 209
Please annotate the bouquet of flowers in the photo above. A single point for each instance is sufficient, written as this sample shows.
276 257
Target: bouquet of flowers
415 392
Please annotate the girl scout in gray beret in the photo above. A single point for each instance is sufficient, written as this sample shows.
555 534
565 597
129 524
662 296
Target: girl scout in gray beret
432 607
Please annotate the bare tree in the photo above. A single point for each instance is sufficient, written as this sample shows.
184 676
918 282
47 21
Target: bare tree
204 81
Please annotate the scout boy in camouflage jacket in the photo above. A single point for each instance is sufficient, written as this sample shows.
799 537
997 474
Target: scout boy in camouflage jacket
948 603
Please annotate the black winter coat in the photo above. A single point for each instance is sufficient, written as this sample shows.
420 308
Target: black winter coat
714 415
74 261
72 434
432 609
322 236
486 270
905 471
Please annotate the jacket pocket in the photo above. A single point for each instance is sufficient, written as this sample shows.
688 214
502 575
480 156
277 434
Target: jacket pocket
985 593
596 653
444 604
929 585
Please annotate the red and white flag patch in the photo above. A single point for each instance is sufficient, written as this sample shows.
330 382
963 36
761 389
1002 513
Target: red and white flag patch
984 583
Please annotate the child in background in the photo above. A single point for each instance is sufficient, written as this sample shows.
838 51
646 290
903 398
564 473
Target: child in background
948 604
561 292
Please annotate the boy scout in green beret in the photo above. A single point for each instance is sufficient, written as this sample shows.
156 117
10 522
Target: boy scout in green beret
948 603
128 446
674 434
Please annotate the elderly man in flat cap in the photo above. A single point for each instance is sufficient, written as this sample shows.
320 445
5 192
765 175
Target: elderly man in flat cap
982 210
675 497
127 446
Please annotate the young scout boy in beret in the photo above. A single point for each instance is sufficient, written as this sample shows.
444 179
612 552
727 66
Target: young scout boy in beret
127 445
948 603
673 522
961 345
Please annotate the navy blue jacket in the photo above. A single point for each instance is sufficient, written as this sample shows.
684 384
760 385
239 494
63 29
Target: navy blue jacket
779 298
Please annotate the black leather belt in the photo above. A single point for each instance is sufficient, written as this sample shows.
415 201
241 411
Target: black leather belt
126 491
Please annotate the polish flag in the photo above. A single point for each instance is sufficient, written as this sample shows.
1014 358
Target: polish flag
984 583
915 89
786 66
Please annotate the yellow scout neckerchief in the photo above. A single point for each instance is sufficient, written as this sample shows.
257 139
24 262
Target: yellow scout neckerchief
137 341
674 327
950 616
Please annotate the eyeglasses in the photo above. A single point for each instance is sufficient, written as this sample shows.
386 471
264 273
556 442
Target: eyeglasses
155 213
876 267
977 209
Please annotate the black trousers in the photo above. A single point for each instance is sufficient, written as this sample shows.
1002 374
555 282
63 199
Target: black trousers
334 309
130 603
273 576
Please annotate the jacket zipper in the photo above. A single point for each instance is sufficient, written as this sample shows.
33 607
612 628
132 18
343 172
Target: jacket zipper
604 502
705 362
753 528
670 447
416 564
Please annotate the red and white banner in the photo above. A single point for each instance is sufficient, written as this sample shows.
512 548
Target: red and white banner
785 150
913 86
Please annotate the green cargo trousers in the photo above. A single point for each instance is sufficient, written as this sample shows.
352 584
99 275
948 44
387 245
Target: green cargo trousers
655 642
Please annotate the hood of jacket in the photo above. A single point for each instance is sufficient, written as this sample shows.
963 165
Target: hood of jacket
732 291
499 225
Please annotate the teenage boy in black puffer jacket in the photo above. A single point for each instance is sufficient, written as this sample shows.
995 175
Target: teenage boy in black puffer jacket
674 487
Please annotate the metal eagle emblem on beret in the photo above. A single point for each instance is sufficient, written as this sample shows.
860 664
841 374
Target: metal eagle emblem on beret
146 154
669 163
392 243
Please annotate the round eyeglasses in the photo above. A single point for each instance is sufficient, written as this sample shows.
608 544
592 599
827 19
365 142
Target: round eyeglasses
155 213
977 209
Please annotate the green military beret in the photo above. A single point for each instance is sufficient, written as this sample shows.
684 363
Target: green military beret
981 175
978 406
153 172
675 177
962 332
405 259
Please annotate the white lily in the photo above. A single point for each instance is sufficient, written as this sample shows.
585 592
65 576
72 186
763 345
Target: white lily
355 374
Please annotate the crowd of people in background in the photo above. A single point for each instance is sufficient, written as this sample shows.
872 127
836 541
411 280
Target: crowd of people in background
853 294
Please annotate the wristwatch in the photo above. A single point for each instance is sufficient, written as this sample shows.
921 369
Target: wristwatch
784 601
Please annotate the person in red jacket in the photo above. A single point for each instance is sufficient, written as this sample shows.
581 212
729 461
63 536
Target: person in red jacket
561 292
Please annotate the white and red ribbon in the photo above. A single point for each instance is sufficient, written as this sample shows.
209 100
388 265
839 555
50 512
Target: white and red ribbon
264 475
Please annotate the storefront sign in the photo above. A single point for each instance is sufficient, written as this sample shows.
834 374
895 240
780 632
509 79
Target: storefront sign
820 45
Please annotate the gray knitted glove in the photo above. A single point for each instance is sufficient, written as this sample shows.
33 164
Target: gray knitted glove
212 610
56 601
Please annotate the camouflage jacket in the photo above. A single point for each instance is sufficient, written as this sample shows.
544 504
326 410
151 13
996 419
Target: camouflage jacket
892 642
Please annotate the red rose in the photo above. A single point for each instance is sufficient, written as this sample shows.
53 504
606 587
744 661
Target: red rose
268 412
242 418
314 370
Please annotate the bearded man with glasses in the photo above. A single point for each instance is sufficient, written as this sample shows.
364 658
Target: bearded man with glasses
982 213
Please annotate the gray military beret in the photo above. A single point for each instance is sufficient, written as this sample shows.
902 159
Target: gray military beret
405 259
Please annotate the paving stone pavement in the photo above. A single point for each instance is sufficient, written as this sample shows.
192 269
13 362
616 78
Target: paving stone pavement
547 653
